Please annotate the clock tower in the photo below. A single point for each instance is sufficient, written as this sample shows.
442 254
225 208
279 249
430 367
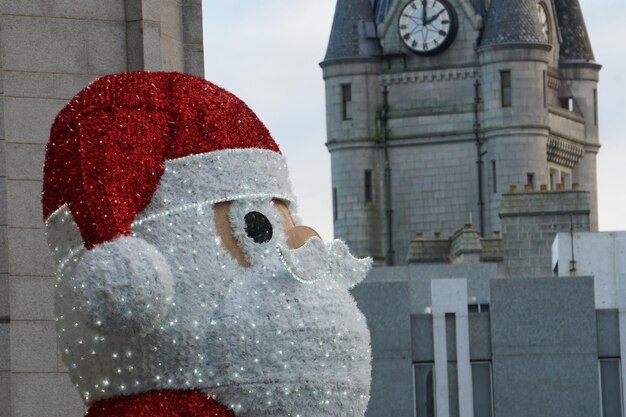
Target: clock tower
434 108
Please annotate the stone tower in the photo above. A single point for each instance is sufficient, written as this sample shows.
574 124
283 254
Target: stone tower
49 51
434 108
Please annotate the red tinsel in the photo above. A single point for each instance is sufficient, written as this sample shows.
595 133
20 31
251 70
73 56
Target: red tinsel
160 404
108 146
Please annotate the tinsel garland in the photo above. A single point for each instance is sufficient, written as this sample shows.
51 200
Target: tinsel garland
168 403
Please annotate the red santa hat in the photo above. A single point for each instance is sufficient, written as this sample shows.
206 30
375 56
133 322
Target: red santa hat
113 145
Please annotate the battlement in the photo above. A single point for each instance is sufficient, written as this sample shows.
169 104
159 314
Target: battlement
464 246
530 221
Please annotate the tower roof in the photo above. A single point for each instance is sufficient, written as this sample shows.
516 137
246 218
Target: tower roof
353 34
512 21
576 44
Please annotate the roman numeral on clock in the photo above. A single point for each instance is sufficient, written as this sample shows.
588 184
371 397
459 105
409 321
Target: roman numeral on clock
427 27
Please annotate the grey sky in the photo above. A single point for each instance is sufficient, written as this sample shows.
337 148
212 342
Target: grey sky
267 53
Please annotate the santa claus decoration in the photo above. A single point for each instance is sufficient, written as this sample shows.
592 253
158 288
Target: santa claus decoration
186 286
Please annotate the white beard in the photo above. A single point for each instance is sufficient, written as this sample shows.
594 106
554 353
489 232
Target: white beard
289 348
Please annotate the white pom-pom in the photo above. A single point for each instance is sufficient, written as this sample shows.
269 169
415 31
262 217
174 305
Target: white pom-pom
124 286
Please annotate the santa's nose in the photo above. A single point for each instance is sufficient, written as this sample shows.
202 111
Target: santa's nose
298 235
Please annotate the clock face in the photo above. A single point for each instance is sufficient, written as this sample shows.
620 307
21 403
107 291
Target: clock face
427 27
543 22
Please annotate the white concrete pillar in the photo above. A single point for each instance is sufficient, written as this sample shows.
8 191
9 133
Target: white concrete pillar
441 365
450 296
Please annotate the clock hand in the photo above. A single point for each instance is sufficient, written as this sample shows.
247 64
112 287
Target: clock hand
424 13
413 19
433 18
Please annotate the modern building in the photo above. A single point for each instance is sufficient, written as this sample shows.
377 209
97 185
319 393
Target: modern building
50 50
463 136
532 325
434 108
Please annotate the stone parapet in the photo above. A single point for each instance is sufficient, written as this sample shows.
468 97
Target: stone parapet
492 249
428 250
466 242
537 203
464 246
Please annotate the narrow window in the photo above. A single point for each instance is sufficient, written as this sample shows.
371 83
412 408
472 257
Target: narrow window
368 186
494 179
335 214
611 387
478 308
424 389
481 385
505 88
545 88
595 107
530 180
346 101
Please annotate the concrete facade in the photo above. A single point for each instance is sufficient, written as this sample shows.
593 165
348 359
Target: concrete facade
544 347
49 50
601 255
541 340
547 136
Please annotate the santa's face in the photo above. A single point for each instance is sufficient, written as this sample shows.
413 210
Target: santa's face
265 313
261 317
289 338
179 264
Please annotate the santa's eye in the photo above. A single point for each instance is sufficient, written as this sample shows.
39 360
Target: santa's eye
258 227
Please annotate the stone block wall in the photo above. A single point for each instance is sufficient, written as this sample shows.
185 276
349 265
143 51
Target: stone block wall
531 220
358 222
434 188
49 50
362 76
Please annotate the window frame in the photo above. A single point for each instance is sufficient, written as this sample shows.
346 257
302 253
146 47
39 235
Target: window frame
346 101
487 362
335 205
506 100
368 187
494 177
621 382
434 397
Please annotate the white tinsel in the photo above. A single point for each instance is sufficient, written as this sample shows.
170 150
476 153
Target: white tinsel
259 340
